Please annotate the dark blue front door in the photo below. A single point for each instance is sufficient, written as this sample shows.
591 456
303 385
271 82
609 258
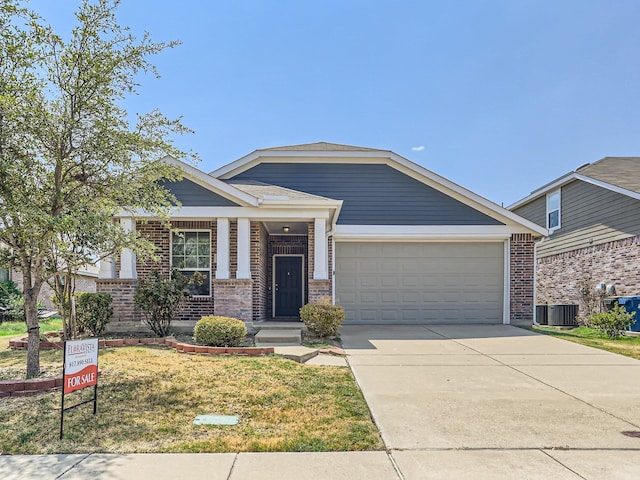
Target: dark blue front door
288 286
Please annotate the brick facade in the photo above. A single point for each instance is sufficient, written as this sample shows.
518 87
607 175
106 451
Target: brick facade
613 263
126 318
234 298
318 288
521 256
84 283
259 239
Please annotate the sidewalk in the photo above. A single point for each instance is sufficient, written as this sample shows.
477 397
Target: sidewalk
195 466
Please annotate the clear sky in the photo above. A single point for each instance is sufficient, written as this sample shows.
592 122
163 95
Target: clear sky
499 96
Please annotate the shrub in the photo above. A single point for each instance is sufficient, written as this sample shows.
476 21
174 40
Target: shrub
219 331
612 323
322 318
93 311
12 301
159 299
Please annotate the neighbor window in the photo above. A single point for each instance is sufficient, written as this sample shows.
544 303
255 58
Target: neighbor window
191 253
4 274
553 210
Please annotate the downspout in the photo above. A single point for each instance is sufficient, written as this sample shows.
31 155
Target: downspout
536 242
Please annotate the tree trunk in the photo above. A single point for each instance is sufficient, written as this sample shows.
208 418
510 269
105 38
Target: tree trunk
33 328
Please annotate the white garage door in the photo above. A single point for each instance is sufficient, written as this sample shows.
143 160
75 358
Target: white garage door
423 283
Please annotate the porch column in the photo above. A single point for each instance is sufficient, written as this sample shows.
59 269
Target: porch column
107 268
128 257
222 249
320 254
244 249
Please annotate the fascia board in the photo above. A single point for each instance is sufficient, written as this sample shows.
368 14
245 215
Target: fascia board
426 232
212 183
254 213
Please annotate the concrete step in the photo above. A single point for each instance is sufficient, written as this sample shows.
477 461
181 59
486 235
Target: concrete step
298 353
268 337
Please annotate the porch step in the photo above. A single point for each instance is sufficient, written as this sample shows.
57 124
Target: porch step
274 337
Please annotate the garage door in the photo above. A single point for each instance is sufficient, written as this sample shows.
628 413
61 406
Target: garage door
422 283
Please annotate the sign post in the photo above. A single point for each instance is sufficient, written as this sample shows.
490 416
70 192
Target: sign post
80 371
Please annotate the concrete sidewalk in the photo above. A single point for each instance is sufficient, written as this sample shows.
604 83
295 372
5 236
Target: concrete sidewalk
195 466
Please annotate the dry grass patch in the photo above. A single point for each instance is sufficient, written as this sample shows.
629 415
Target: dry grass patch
149 397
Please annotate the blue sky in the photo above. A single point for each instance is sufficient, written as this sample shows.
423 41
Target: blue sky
499 96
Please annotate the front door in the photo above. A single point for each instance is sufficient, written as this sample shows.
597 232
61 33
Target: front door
288 286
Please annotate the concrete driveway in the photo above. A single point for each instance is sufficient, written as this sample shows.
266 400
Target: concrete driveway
485 402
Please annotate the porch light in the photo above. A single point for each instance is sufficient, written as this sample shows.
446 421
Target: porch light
285 229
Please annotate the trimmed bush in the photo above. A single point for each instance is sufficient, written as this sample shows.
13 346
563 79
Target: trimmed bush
612 323
93 311
219 331
323 319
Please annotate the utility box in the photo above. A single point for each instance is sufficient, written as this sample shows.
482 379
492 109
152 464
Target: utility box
563 315
632 304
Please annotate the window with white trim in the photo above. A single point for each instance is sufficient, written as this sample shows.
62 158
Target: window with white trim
553 210
191 253
4 274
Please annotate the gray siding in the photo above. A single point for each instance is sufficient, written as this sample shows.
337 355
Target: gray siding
590 215
535 211
373 194
191 194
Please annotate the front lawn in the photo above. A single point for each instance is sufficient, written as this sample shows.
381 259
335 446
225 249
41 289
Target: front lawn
627 345
148 398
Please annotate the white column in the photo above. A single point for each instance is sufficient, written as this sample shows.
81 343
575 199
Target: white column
244 248
320 254
222 249
107 268
127 257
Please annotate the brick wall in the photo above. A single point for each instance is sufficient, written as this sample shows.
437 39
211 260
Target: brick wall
234 298
259 239
521 281
126 317
613 263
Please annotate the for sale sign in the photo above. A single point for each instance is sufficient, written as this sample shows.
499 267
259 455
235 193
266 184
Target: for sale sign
80 364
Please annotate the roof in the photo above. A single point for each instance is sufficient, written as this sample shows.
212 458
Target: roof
321 147
266 192
618 174
623 172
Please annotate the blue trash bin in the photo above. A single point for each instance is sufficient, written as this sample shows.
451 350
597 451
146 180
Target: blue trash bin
632 304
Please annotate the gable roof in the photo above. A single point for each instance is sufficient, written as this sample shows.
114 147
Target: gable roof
618 174
328 153
321 146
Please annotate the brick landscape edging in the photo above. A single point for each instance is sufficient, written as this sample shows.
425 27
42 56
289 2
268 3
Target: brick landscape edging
21 388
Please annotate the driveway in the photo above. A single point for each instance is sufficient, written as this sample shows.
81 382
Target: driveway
476 402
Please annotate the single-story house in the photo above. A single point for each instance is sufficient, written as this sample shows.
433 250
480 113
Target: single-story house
593 218
389 240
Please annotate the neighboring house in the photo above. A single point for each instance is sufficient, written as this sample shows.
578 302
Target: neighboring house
593 216
85 282
387 239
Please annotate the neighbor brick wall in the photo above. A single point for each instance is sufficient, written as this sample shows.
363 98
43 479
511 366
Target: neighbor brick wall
83 284
521 282
613 263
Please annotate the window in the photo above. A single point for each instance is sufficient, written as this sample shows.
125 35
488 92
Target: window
553 210
191 253
4 274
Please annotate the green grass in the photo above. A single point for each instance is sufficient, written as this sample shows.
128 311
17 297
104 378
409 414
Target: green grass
19 328
148 398
626 345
